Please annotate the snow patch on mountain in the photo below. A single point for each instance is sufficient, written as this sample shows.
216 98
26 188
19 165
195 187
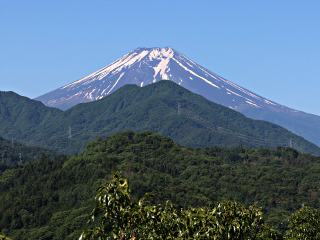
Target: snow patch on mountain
116 83
185 68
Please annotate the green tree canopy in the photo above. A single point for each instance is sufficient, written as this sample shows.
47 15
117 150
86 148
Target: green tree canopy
304 224
120 218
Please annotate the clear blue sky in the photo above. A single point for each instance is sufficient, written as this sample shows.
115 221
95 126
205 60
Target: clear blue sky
269 47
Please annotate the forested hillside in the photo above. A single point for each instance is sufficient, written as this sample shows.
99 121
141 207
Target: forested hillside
16 153
52 199
164 108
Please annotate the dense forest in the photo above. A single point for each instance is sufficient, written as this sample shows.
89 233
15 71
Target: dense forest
52 198
163 107
12 153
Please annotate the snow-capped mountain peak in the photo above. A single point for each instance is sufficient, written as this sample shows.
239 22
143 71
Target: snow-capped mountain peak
144 66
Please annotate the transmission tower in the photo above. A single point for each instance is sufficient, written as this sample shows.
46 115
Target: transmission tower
179 108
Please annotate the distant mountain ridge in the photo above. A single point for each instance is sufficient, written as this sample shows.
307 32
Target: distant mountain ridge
164 108
144 66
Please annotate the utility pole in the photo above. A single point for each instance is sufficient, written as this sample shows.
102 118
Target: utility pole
69 133
179 108
291 143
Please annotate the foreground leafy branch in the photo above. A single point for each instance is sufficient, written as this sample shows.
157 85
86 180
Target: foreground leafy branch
119 218
3 237
304 224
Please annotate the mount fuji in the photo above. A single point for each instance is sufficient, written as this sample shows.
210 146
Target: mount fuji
144 66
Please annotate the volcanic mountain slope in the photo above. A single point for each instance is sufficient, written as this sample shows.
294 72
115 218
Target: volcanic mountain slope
144 66
148 65
164 107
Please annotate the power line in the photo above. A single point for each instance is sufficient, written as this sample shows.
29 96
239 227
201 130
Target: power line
222 130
